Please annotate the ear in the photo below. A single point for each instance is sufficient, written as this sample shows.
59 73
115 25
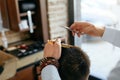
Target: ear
87 77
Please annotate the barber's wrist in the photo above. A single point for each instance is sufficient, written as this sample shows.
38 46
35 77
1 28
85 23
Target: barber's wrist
102 30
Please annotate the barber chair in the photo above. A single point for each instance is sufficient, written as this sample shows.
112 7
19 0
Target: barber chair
8 65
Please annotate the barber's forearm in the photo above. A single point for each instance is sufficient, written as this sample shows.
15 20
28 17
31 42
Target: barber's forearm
101 31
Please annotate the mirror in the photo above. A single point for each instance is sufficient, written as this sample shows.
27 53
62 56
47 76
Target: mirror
4 21
0 21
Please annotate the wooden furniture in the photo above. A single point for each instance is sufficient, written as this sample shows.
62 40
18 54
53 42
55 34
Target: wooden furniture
25 74
39 17
12 63
29 59
33 52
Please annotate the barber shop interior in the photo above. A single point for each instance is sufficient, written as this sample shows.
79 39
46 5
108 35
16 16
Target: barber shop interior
28 27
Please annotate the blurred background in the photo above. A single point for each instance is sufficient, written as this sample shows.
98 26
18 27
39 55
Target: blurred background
24 43
103 55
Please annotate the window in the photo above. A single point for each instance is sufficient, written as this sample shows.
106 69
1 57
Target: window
99 12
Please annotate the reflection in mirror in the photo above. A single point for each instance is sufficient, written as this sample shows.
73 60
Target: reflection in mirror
4 21
1 24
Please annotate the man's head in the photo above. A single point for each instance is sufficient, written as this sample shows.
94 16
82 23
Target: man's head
74 64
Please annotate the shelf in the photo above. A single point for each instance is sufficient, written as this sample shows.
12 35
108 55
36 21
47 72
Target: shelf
25 14
17 12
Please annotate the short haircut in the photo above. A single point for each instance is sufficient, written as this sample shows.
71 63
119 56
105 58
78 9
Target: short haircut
74 64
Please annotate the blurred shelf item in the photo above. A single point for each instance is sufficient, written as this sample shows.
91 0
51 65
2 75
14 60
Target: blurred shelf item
25 14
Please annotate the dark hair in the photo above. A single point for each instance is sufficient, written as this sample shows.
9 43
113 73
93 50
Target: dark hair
74 64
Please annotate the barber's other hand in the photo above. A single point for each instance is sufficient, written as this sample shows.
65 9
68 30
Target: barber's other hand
53 49
86 28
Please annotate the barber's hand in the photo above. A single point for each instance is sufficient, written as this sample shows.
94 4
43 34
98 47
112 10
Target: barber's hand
53 49
81 28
